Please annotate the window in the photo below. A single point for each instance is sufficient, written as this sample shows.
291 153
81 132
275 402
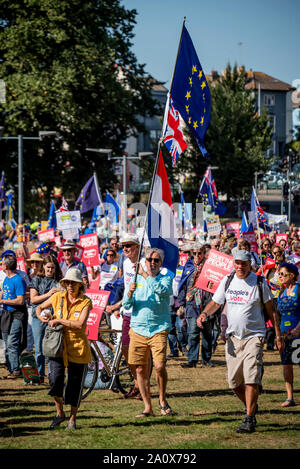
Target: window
269 100
272 122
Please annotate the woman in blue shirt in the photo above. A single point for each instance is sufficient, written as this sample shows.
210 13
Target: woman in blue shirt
288 304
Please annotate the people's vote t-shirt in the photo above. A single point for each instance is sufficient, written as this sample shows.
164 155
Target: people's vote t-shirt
12 287
129 274
244 311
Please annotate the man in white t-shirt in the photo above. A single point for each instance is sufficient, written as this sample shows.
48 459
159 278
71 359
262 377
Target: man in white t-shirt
245 332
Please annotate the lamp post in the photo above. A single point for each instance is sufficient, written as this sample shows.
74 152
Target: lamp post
21 139
124 157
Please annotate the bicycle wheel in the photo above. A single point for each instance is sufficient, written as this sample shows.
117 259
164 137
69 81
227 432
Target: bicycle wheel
124 377
93 369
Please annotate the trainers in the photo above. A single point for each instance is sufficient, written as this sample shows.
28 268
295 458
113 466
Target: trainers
14 375
57 421
248 425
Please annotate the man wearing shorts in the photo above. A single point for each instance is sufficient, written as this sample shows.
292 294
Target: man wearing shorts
245 333
149 299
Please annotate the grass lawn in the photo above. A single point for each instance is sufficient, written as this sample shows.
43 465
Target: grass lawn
207 414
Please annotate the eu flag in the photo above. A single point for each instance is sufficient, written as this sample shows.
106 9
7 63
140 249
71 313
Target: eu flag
190 91
52 217
90 196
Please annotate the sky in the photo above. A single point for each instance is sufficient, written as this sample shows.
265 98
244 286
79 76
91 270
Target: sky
263 35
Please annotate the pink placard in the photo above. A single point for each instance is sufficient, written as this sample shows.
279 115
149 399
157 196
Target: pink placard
99 299
251 238
94 284
21 264
90 245
216 266
281 236
234 228
46 234
183 257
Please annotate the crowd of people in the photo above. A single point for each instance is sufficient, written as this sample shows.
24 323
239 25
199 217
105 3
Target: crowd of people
167 314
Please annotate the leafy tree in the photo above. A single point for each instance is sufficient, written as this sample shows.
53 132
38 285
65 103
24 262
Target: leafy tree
237 139
68 66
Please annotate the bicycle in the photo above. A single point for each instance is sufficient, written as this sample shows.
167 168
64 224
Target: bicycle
115 368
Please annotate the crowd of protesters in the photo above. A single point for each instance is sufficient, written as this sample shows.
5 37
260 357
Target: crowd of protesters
47 263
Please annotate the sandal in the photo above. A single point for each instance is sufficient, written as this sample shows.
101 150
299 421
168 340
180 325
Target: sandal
144 414
288 403
166 409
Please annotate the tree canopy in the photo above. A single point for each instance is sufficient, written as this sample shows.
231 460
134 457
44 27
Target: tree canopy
68 66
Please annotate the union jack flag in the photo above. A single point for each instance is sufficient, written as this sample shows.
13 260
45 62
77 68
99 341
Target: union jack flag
64 205
173 136
256 208
210 181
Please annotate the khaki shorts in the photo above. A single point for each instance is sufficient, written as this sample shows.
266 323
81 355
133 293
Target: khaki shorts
139 348
244 361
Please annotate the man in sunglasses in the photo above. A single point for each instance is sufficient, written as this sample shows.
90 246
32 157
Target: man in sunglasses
148 297
69 250
192 300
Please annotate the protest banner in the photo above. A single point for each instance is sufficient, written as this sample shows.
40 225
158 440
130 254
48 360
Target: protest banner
234 228
99 299
46 234
79 252
251 238
281 236
44 224
216 266
90 245
58 242
21 264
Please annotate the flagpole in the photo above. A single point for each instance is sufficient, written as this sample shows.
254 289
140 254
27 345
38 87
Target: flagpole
184 19
259 240
157 157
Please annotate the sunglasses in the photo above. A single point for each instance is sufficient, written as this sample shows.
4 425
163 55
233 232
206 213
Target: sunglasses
197 253
68 250
71 282
110 255
149 259
283 275
127 245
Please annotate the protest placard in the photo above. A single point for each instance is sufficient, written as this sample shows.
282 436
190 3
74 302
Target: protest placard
213 229
183 258
251 238
21 264
99 299
46 234
281 236
90 245
68 221
216 266
234 228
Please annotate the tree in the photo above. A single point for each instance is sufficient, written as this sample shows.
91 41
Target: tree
68 66
237 139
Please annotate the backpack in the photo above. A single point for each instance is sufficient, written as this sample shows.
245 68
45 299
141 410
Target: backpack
259 283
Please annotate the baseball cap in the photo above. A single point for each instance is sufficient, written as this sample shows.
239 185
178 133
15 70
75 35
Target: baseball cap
242 255
8 252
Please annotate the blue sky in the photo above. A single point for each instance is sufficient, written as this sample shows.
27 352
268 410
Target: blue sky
268 30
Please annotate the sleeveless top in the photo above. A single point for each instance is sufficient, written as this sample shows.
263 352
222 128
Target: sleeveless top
289 309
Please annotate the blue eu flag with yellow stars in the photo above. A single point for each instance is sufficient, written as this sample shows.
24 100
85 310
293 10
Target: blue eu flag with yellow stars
190 92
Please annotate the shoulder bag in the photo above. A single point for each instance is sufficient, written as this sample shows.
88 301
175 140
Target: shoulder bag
53 340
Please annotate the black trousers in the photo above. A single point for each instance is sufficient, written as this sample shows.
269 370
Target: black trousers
74 387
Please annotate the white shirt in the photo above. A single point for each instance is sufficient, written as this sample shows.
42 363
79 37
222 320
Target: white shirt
244 313
129 273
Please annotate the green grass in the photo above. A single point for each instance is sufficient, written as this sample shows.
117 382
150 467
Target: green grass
207 414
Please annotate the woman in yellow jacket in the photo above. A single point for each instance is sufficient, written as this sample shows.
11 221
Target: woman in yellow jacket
71 309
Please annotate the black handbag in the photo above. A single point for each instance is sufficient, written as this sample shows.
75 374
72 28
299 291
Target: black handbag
53 341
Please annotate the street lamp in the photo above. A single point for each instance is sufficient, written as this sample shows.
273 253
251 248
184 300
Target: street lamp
20 139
